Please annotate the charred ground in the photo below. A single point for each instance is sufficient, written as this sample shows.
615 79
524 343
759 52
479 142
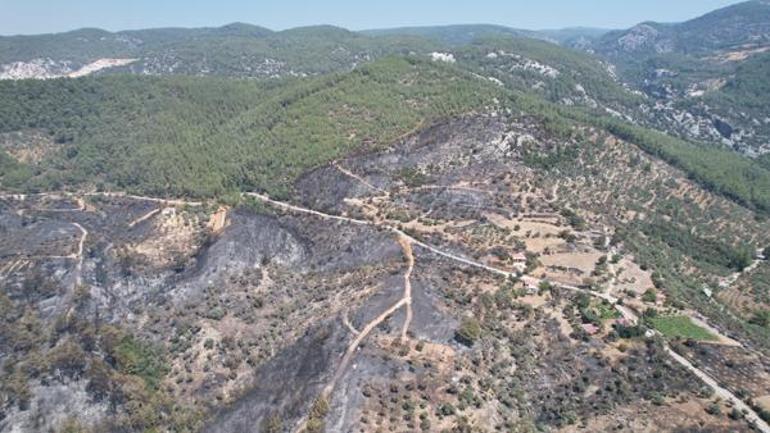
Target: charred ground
433 291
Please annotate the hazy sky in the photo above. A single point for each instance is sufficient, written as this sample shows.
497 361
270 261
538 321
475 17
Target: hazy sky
45 16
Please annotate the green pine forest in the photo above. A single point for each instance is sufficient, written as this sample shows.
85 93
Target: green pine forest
214 136
210 136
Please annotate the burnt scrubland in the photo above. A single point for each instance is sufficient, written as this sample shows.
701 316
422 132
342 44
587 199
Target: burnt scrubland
276 320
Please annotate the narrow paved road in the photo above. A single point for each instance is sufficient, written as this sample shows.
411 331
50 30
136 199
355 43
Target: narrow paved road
721 392
298 209
165 201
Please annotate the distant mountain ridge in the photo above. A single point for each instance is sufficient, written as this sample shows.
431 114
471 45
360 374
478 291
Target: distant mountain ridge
242 49
236 49
82 43
702 78
707 75
742 23
459 34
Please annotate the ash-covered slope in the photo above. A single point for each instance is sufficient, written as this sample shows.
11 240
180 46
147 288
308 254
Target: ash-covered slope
452 279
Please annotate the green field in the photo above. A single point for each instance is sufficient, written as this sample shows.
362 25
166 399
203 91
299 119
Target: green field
680 327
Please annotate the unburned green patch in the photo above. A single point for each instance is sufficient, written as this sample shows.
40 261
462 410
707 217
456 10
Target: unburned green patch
680 327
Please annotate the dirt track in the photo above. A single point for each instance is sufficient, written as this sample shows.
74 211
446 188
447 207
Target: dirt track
360 336
407 247
627 313
78 256
407 242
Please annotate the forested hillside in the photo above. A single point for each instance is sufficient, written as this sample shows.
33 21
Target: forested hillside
747 89
558 74
454 35
735 25
210 136
193 136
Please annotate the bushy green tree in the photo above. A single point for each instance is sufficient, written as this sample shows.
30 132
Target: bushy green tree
469 331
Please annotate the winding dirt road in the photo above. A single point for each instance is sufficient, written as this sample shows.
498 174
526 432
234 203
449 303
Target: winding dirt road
78 256
143 218
406 246
360 179
733 278
360 336
405 301
407 242
627 313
